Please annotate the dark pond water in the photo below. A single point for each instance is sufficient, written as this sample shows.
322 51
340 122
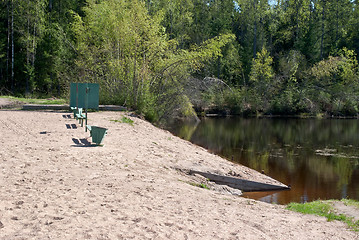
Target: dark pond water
318 158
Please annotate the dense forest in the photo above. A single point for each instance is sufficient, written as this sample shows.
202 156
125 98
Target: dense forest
167 58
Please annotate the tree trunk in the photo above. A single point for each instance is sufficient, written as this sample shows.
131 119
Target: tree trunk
12 47
27 57
8 43
337 24
33 56
297 21
255 30
218 67
322 37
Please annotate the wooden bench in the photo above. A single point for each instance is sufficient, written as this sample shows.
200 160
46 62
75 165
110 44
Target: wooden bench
80 116
97 133
89 128
74 110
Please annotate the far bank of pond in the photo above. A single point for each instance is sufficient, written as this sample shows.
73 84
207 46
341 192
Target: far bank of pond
319 158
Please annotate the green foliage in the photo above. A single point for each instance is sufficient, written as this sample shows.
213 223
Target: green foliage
325 209
127 120
200 185
290 95
291 101
124 120
332 77
316 208
120 50
262 72
127 52
351 202
49 101
261 78
290 57
292 67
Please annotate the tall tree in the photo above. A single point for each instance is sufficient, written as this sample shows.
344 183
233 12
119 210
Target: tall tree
126 51
334 19
253 28
339 24
4 45
293 17
354 26
261 78
12 46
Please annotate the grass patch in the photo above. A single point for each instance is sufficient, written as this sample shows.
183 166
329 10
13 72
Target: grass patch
200 185
47 101
351 202
127 120
124 120
325 209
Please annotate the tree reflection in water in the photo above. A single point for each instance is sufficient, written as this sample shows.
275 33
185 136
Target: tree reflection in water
318 158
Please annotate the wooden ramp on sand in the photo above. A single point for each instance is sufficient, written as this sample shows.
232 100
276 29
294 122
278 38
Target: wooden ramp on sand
241 184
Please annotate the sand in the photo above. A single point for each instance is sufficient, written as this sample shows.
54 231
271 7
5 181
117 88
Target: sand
6 103
54 184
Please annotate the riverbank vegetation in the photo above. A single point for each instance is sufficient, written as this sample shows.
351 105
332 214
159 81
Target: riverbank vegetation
330 209
166 59
47 101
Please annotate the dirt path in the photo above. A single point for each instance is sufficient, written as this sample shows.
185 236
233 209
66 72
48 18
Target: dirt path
54 185
7 103
4 102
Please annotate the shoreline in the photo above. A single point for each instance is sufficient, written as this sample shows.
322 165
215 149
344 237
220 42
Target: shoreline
55 185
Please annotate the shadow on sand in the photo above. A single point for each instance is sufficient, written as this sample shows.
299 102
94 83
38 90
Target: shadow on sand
82 143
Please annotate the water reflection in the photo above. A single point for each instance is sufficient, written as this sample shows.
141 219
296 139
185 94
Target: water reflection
318 158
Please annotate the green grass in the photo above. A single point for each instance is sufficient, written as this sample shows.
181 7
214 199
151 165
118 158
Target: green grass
325 209
124 120
48 101
200 185
351 202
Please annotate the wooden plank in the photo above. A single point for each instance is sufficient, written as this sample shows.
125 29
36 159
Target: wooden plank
241 184
45 107
112 108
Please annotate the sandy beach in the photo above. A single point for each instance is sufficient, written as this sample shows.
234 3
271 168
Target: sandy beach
55 184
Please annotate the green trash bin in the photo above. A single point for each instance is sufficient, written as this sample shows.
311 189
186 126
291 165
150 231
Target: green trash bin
97 134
